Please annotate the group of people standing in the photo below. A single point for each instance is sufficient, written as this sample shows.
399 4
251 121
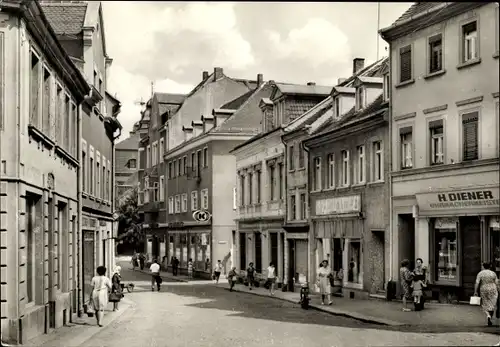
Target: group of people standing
413 283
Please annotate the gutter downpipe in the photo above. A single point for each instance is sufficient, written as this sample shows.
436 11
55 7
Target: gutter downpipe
285 266
112 197
391 221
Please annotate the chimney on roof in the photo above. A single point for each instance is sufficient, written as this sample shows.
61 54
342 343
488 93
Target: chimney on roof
341 80
204 76
260 79
217 73
357 65
311 83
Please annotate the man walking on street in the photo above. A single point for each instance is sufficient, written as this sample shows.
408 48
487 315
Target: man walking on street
155 275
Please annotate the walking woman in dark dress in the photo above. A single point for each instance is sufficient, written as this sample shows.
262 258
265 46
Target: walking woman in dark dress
116 289
405 277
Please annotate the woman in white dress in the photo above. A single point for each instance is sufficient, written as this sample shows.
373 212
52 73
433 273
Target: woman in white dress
323 282
101 286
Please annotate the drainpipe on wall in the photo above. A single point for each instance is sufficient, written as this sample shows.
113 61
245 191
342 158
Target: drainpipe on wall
112 197
285 266
391 217
79 238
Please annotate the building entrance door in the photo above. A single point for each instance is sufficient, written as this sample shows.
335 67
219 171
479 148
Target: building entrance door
470 231
88 261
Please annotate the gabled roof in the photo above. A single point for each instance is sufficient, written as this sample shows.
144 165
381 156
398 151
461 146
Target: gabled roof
130 143
65 18
310 115
248 117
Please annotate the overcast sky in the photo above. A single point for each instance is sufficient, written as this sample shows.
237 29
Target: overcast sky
171 43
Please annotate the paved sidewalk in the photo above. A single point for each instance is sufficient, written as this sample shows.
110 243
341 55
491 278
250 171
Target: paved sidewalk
80 330
387 313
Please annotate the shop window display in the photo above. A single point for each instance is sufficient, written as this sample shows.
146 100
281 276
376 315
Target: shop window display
446 250
354 258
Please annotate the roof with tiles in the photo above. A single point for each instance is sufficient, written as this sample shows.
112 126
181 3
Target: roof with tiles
236 103
297 109
375 106
416 8
248 117
168 98
130 143
303 89
65 18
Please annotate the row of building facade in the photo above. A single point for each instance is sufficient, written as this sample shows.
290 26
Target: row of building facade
58 125
398 161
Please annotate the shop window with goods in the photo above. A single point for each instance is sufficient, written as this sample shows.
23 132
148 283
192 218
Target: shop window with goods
354 257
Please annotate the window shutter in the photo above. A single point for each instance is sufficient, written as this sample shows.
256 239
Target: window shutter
470 136
405 63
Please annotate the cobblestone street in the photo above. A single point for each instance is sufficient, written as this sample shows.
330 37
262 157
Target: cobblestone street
191 314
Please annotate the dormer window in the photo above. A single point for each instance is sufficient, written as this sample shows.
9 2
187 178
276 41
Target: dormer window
360 100
337 106
386 87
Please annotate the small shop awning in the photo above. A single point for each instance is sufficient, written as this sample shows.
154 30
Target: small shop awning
338 228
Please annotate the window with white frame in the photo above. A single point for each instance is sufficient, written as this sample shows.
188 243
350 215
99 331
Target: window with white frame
406 140
103 184
360 98
345 168
170 205
337 106
184 202
436 145
386 87
470 42
148 156
162 187
91 170
146 190
204 199
317 174
84 166
108 183
291 163
331 170
361 165
293 207
179 166
160 150
378 158
194 200
177 204
36 66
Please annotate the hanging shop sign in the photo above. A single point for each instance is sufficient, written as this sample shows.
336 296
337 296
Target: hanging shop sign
338 205
472 199
201 216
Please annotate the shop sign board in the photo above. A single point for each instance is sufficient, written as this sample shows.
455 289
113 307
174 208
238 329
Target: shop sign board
338 205
475 199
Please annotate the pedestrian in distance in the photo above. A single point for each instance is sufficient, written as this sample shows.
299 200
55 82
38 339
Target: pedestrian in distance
232 277
135 261
155 275
116 290
487 286
142 260
175 266
271 278
101 285
250 276
190 268
406 277
323 282
217 271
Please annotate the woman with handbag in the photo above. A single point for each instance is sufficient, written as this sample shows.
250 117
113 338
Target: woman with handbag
116 291
101 285
487 283
323 282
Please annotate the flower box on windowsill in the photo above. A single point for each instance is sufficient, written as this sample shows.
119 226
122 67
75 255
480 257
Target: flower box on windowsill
469 63
435 74
40 136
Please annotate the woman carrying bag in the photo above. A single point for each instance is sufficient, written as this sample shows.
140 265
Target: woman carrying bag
116 291
98 300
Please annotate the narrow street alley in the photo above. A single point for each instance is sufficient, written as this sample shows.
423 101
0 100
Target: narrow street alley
192 314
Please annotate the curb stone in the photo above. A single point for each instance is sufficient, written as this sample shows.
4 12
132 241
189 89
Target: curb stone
333 311
68 336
